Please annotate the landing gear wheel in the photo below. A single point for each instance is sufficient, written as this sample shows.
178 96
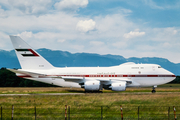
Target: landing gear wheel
87 91
153 91
100 91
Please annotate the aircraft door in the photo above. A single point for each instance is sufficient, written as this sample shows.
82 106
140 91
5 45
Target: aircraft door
129 75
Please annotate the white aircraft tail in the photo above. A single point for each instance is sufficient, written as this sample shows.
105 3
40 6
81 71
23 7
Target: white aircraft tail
27 56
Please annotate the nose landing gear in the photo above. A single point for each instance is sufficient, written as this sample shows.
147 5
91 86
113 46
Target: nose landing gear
153 89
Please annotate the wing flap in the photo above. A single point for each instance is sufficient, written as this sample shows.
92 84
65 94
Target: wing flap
114 80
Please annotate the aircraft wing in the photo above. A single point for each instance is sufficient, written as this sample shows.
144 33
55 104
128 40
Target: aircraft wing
82 79
66 78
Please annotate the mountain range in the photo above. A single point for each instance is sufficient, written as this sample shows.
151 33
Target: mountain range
60 58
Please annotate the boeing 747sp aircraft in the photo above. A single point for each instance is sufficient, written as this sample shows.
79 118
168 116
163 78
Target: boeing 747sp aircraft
92 79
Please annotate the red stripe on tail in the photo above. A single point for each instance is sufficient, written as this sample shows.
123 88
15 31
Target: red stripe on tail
35 54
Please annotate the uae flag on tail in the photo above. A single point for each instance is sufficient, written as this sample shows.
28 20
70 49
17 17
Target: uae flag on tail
27 52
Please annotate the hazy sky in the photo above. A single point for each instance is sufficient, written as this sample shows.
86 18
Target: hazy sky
131 28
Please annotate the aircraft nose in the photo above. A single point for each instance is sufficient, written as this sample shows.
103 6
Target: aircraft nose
172 75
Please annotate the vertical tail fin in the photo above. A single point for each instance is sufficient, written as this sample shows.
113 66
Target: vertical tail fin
27 56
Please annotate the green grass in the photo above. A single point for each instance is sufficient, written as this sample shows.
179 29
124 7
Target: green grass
88 106
38 90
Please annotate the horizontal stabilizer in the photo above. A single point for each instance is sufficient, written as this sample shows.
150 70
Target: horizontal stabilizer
27 73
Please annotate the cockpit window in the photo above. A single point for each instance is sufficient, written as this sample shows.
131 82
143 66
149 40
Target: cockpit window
159 67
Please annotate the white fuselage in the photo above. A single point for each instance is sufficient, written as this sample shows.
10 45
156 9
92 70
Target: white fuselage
140 75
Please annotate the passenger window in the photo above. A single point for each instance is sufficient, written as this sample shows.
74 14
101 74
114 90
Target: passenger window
135 67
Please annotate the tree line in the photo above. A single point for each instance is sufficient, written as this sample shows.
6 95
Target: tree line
9 79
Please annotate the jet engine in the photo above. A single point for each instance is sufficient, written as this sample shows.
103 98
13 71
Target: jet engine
92 85
119 86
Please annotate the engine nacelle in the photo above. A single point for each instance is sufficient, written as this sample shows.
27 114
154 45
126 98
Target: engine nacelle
92 85
119 86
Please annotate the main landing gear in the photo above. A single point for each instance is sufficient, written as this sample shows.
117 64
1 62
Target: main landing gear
153 89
